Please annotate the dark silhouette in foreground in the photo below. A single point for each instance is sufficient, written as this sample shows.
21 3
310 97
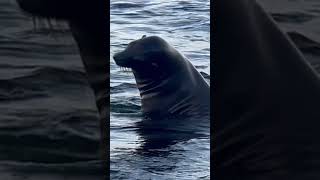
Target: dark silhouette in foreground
266 99
88 24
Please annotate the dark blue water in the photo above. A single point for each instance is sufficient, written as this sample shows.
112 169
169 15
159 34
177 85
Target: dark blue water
48 121
301 20
164 149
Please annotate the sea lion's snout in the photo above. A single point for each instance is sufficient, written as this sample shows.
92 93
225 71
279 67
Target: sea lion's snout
121 59
141 53
131 55
117 58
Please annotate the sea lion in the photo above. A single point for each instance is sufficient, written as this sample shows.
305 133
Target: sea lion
88 24
266 99
169 84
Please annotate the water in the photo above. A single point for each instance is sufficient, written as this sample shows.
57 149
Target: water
301 20
49 125
48 120
169 153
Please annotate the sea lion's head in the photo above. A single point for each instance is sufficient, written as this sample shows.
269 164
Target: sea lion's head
150 57
163 75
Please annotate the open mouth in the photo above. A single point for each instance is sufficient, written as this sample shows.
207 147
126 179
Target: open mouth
125 69
122 63
129 66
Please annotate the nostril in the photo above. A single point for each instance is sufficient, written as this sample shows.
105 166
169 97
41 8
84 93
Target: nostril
116 56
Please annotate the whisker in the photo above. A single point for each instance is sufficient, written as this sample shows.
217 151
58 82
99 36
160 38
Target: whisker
34 22
50 25
125 70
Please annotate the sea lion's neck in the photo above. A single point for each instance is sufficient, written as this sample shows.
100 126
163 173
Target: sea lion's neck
177 94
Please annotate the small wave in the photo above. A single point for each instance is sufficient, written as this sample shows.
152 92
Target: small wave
126 5
50 137
37 83
201 66
26 40
80 167
123 87
149 13
128 107
304 43
293 17
11 90
51 75
205 75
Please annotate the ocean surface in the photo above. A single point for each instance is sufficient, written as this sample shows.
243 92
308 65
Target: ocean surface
301 20
48 121
169 154
49 126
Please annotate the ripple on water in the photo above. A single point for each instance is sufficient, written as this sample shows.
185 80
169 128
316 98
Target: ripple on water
133 155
